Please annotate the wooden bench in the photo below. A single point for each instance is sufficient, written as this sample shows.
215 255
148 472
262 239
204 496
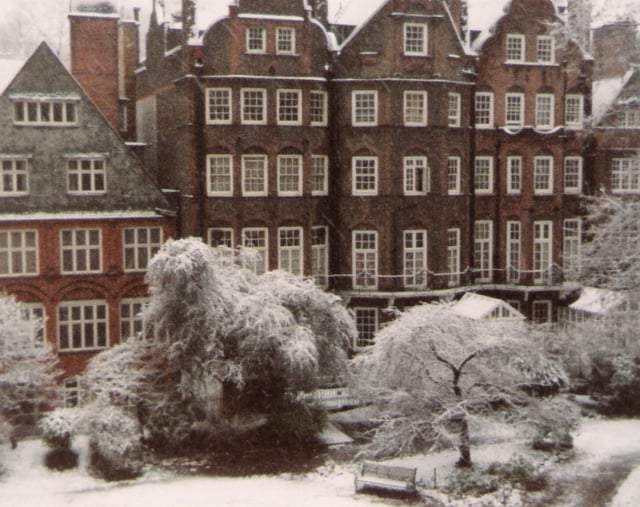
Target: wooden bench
387 477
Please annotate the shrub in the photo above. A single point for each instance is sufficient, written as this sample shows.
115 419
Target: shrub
61 459
114 444
520 472
58 427
471 481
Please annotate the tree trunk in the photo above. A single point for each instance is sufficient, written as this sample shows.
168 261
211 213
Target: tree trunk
465 445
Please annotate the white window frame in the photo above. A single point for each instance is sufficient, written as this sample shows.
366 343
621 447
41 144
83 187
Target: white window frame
365 259
415 108
32 112
219 175
573 174
19 252
628 119
249 114
543 175
417 177
319 175
572 244
367 323
486 161
130 314
454 179
255 34
289 113
546 304
139 245
625 175
513 40
514 106
320 255
514 175
247 176
483 250
291 250
514 250
415 260
484 105
364 115
219 106
260 264
542 250
289 183
453 256
77 176
545 45
290 40
318 105
545 111
364 184
574 111
14 176
80 250
415 39
226 234
35 313
454 109
83 325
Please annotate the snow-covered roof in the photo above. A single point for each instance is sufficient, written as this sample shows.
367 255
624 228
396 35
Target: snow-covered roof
605 92
477 307
8 70
597 301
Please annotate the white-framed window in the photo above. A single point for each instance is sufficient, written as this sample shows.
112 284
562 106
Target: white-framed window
219 175
45 112
131 317
365 259
454 165
289 175
81 250
545 49
544 111
572 244
290 254
289 107
484 109
364 107
254 106
35 314
256 40
318 108
254 175
14 176
319 175
628 119
514 241
514 110
256 239
483 175
320 255
541 312
483 250
366 325
416 176
515 48
625 175
453 256
542 251
416 42
415 108
219 106
514 175
415 259
86 175
574 111
285 40
572 175
543 175
365 175
71 390
454 109
139 245
83 325
220 237
18 253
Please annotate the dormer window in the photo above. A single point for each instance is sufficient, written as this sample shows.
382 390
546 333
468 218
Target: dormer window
515 48
415 39
285 41
44 112
256 40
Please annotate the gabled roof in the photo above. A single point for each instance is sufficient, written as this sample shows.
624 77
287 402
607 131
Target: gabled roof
8 70
478 307
597 301
605 93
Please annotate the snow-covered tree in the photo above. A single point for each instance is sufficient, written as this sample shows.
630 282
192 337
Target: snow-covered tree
27 365
435 373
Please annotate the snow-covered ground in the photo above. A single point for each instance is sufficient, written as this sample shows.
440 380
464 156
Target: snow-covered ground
29 484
